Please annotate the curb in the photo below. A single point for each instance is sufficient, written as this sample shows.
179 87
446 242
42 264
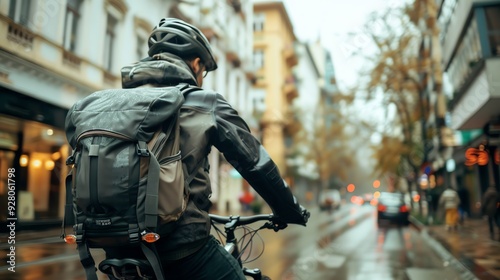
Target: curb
416 223
442 252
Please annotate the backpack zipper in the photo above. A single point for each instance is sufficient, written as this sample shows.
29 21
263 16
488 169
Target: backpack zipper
171 158
160 141
71 159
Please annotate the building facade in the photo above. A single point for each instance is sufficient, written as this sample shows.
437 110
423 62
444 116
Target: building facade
275 57
55 52
301 160
471 61
314 105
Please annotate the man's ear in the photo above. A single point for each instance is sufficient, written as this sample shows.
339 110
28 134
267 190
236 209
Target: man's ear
196 65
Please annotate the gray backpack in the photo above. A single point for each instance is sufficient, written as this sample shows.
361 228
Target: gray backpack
127 185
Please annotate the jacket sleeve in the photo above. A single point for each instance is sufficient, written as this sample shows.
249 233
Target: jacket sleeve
245 153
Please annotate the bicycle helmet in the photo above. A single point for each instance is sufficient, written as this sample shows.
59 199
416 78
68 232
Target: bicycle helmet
182 39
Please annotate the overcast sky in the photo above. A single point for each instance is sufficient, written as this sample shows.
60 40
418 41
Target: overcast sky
332 20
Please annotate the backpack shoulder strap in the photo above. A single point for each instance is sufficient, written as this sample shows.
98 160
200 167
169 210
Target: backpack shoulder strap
187 88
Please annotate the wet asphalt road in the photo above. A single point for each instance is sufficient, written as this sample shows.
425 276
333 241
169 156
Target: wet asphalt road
345 244
348 244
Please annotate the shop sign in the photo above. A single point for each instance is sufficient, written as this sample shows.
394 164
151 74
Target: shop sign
476 156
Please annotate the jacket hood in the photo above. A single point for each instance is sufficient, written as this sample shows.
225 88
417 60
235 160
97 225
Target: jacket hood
163 69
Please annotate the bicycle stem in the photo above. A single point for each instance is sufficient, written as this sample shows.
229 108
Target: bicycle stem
229 228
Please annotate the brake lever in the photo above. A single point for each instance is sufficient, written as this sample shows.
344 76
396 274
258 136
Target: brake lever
274 226
306 214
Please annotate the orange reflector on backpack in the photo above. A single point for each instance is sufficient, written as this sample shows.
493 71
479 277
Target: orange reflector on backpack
70 239
151 237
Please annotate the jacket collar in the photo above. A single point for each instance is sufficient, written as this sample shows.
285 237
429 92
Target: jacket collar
163 69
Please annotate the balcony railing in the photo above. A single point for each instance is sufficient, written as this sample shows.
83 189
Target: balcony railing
232 53
20 35
290 88
250 70
32 47
208 24
292 123
290 55
71 59
475 69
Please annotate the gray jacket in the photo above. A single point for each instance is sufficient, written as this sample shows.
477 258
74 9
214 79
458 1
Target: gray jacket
207 120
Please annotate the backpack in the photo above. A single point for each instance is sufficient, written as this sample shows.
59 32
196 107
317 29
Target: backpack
127 185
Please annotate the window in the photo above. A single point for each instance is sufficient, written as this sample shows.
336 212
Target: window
71 24
19 11
467 55
40 177
141 48
142 28
493 23
258 22
258 58
109 41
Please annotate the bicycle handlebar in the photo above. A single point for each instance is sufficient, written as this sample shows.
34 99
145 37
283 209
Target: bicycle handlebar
245 220
241 220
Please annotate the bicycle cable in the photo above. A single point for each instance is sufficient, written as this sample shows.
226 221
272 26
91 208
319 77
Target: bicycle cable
219 231
248 231
252 233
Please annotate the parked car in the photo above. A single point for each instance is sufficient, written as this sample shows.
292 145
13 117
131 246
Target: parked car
329 200
392 207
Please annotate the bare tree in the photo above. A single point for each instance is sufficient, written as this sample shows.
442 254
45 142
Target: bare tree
400 73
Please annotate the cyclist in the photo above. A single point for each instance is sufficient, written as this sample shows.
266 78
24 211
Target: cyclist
180 53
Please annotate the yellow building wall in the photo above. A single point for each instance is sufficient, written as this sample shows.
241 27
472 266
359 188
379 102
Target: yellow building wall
274 40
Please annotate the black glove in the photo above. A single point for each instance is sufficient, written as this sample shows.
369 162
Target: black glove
278 224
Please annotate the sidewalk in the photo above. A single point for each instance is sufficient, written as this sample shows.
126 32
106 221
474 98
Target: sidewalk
470 245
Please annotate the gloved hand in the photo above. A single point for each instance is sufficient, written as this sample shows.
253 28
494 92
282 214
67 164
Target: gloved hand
278 224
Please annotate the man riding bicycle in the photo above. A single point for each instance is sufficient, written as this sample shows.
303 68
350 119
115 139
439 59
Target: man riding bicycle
180 53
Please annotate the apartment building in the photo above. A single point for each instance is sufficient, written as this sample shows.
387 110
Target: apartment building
54 52
471 61
316 86
301 160
275 57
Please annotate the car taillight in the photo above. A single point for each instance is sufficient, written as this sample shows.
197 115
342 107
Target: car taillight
403 208
381 208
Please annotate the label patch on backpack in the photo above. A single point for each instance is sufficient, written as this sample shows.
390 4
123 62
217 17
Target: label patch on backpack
104 222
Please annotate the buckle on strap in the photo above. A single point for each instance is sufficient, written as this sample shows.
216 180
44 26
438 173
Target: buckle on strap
142 149
79 233
133 235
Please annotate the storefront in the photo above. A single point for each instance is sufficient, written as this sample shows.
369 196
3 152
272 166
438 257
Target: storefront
33 143
477 166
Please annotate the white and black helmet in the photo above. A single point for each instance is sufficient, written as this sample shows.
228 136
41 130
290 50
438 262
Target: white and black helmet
183 39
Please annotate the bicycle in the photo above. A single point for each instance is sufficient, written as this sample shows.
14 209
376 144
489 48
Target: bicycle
129 269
